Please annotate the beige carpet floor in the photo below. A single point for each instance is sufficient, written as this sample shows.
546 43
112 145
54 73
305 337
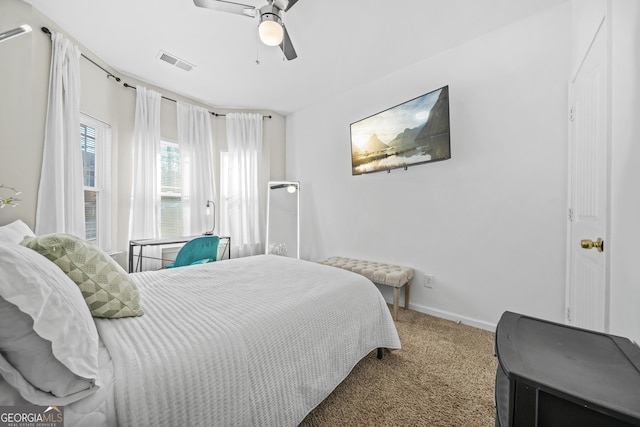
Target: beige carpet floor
442 377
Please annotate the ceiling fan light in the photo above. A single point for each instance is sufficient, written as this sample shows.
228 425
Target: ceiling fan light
270 30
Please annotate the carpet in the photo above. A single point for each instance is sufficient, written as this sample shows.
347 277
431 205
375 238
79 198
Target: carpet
442 377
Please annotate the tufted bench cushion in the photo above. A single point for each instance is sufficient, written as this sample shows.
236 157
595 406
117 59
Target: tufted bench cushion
378 272
384 274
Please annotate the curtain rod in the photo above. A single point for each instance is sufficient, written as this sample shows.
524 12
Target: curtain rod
125 84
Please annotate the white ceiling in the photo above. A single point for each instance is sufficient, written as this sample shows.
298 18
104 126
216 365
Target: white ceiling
340 43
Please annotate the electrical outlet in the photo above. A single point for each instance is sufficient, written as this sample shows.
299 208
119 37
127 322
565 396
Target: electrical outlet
429 280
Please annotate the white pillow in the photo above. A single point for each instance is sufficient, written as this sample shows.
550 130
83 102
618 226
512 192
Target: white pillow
15 232
48 340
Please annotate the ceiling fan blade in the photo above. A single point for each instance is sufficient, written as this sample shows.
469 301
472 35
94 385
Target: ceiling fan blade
284 4
227 6
290 4
287 46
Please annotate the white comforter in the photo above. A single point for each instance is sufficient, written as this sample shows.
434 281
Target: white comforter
251 341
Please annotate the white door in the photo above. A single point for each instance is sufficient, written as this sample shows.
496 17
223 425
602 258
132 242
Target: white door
587 281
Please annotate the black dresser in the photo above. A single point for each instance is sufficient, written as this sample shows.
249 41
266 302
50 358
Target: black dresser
553 375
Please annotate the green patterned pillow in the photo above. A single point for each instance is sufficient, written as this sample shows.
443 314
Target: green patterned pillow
105 286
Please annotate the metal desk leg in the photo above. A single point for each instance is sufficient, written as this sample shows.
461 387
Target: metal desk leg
139 266
130 258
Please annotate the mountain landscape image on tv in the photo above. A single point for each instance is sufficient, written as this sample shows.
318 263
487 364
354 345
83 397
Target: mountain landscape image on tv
414 132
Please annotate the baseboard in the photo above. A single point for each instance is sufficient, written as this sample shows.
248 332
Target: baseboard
452 316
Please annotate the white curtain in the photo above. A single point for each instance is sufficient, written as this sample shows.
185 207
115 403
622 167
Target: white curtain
60 205
145 196
196 158
244 213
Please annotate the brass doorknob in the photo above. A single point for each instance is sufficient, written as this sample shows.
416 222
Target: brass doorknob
590 244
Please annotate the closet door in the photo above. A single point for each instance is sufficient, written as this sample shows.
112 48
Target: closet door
587 279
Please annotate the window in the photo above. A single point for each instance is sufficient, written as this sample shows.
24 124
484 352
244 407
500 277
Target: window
95 141
170 190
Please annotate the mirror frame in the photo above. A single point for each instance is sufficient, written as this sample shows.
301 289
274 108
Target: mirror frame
280 184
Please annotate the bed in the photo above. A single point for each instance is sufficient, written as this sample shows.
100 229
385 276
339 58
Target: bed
251 341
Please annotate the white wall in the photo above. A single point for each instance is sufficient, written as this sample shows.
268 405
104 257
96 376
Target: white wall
490 223
24 74
625 170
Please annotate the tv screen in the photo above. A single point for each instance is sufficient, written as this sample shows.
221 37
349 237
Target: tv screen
414 132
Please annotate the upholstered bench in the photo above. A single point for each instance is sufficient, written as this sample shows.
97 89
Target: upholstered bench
380 273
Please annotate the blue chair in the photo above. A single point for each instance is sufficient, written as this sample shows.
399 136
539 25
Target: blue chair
200 250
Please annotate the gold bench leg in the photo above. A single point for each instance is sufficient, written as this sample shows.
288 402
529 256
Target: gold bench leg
406 295
396 297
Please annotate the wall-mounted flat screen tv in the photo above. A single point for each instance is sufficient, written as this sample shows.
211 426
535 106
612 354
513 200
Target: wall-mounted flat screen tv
414 132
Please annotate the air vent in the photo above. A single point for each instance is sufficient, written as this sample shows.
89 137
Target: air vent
175 61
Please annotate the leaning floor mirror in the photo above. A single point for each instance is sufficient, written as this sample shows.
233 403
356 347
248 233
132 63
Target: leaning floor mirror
283 218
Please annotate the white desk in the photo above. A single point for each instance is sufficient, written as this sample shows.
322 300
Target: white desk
141 243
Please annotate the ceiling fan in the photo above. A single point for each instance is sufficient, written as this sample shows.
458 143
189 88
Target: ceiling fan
271 30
